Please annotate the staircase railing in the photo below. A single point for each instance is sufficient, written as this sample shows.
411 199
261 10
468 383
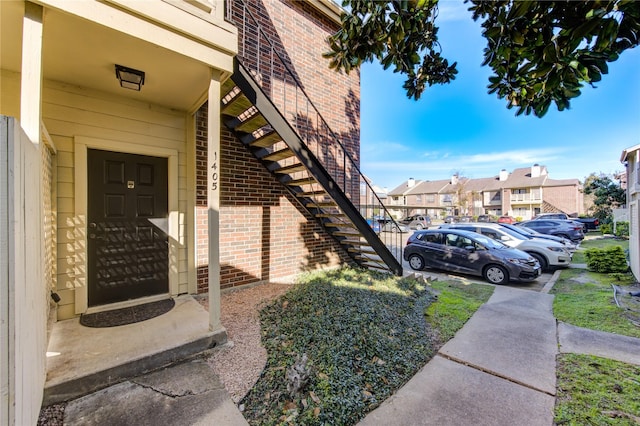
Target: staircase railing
276 78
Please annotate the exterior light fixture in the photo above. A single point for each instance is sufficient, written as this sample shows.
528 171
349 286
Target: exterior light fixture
130 78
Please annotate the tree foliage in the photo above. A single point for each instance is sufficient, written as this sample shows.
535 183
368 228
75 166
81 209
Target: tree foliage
540 51
607 195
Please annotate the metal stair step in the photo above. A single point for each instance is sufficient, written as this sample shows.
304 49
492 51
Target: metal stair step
329 215
368 259
251 124
321 204
306 194
339 225
266 140
278 155
299 167
236 105
346 234
302 181
361 250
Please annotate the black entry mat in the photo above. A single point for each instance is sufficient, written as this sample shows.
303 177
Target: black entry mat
129 315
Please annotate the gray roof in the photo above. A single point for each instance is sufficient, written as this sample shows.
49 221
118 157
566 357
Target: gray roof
403 188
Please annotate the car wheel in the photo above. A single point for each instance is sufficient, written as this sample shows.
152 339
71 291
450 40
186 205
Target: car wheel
416 262
496 274
419 226
541 259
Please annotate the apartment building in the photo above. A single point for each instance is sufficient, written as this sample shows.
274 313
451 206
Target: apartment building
524 192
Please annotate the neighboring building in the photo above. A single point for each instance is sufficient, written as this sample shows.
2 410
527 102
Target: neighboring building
218 170
631 159
524 193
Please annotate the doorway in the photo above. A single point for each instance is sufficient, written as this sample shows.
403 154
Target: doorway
127 226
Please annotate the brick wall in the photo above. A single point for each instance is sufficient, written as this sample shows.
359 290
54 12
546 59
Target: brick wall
287 48
566 198
264 235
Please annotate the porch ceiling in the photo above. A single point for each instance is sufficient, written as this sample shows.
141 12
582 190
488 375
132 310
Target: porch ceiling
81 53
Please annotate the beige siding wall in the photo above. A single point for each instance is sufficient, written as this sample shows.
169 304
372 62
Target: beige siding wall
70 115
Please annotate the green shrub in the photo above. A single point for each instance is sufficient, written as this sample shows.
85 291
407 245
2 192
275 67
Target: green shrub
622 229
607 260
606 228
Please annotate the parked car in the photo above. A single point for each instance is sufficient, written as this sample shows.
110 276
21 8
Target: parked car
561 228
549 254
590 223
528 232
465 219
469 253
486 218
451 219
417 221
561 216
506 219
388 225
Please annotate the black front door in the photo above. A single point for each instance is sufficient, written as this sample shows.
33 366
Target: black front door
127 223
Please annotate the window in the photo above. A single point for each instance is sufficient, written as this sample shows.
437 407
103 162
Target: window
418 198
491 234
430 198
432 238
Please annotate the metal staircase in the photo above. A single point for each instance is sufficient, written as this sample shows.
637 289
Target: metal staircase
294 143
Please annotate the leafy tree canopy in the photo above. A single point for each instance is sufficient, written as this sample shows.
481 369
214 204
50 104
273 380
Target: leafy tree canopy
607 194
540 51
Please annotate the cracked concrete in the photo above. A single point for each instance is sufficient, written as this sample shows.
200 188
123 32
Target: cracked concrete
188 393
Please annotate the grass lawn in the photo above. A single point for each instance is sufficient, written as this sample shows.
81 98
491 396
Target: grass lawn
354 337
600 242
585 299
597 391
592 390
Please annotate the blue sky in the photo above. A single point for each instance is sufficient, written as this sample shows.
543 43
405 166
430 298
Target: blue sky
461 128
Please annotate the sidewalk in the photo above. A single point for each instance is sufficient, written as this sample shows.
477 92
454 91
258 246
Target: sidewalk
500 369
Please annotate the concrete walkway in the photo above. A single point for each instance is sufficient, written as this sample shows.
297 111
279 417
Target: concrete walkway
500 368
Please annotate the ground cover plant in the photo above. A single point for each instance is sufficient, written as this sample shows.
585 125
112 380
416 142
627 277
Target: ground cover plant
596 391
341 342
586 299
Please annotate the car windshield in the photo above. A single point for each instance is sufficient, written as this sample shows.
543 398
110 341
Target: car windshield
522 231
489 242
514 234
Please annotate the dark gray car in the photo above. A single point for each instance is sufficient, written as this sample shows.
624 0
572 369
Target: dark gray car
470 253
560 228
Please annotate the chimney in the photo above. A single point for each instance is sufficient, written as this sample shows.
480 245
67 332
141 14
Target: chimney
411 182
454 179
503 175
535 171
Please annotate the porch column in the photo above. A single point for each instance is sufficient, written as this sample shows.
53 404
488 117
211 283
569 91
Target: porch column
213 199
31 78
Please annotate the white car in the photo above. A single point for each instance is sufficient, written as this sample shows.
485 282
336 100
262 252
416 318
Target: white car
548 253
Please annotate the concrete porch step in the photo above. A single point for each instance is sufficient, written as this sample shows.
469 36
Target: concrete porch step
82 360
